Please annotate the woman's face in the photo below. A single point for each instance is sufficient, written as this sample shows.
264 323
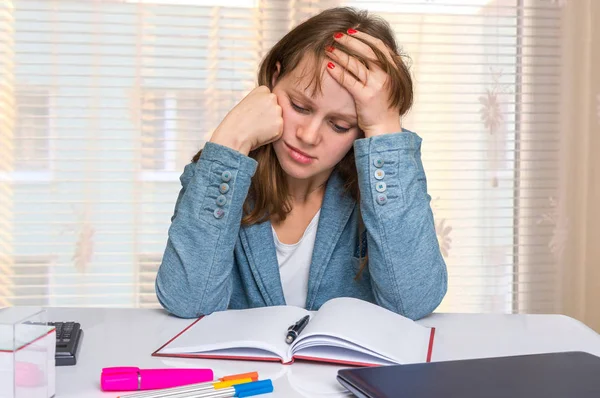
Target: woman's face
317 131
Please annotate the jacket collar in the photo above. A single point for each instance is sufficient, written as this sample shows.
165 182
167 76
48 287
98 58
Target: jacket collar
259 245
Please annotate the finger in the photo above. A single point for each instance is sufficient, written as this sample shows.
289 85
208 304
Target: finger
355 40
271 140
376 42
351 64
356 45
346 80
274 138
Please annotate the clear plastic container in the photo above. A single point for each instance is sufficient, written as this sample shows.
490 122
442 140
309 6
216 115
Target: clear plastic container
27 348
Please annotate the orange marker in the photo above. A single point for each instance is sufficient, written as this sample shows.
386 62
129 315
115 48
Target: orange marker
251 375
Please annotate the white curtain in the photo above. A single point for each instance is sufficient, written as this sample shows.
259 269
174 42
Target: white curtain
577 214
103 103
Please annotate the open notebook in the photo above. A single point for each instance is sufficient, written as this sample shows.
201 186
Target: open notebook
344 330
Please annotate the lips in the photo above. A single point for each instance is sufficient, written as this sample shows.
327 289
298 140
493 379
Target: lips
299 151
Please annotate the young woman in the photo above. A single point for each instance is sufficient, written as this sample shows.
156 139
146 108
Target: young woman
310 189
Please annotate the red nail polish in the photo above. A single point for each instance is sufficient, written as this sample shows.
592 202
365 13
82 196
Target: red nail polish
352 31
330 48
338 35
330 65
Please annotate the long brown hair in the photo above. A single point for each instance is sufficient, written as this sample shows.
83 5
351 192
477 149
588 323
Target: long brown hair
268 194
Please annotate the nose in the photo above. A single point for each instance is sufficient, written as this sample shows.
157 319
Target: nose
309 132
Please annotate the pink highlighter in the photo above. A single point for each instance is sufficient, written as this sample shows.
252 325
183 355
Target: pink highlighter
132 378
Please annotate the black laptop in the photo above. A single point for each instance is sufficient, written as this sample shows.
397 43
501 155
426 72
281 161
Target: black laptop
554 375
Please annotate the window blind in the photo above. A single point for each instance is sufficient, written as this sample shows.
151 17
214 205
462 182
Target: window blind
103 103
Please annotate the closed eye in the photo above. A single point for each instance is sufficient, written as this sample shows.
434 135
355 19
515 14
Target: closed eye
335 127
299 109
339 129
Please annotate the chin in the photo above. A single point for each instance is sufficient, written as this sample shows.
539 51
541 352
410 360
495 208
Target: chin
295 171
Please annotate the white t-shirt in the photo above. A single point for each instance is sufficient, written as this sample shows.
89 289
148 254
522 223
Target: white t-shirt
294 264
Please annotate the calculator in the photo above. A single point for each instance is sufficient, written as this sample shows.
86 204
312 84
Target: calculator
68 337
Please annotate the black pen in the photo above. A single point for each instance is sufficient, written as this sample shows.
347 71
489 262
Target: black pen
295 329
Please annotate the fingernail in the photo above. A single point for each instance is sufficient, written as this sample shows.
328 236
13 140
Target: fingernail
338 35
330 65
330 48
352 31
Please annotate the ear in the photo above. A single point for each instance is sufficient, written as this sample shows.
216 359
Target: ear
276 74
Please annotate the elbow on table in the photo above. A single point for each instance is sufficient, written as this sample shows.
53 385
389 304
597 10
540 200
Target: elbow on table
431 297
187 306
174 305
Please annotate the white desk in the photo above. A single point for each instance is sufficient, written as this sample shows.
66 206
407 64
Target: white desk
127 337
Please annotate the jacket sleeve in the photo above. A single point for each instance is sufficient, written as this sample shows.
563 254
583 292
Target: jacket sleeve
408 272
194 277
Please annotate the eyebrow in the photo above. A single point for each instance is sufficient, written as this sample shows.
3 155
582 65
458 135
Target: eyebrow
347 117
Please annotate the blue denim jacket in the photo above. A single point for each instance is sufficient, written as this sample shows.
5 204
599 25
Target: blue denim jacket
212 263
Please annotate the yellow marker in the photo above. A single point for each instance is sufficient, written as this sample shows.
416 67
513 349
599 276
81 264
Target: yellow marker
229 383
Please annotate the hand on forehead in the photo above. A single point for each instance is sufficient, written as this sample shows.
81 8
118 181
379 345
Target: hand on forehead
311 80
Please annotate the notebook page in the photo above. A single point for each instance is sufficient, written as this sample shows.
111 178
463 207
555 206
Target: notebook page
262 328
336 342
241 352
369 326
341 354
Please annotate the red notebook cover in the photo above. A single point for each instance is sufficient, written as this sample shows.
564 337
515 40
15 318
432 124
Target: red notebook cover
274 359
